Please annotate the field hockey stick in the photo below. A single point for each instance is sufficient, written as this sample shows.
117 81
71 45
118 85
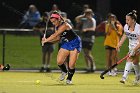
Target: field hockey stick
120 61
46 29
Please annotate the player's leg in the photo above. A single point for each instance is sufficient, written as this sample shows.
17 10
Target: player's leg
43 62
136 69
72 61
67 62
108 60
49 57
86 59
113 60
61 57
90 60
117 59
127 70
44 52
90 57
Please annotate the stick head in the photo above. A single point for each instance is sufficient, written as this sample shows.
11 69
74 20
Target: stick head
7 67
101 76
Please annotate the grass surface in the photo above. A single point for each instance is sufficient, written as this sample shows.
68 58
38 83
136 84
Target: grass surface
24 82
25 52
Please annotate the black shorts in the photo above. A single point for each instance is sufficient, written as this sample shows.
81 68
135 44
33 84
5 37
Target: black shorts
48 48
110 48
87 45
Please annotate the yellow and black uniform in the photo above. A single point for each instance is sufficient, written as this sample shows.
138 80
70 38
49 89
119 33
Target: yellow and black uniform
112 35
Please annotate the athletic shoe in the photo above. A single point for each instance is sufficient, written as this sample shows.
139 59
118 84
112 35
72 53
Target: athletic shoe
68 81
137 80
48 70
62 77
123 80
41 69
94 67
90 71
113 72
109 73
115 69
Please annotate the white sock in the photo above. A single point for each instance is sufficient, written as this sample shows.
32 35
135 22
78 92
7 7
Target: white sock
128 67
137 69
44 65
48 66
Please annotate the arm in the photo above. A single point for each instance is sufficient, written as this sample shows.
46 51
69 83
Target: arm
55 40
26 15
89 29
56 34
78 22
78 18
107 29
119 29
36 17
93 26
121 41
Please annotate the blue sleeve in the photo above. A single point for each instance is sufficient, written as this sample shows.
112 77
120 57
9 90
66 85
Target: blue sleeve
35 17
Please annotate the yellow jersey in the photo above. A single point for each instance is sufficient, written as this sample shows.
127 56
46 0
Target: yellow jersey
112 35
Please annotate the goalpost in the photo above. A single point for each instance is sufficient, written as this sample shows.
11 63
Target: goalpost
4 30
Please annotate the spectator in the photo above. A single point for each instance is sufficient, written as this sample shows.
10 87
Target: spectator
64 15
31 18
54 8
85 7
88 25
100 29
79 25
47 48
113 30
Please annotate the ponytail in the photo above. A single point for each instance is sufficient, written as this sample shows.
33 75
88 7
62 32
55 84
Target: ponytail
133 15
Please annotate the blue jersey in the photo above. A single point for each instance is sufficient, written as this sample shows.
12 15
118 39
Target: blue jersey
69 40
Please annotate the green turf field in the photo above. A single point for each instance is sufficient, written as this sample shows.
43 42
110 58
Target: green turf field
24 82
25 52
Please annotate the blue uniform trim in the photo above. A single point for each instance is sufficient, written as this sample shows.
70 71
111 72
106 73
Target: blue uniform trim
73 44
